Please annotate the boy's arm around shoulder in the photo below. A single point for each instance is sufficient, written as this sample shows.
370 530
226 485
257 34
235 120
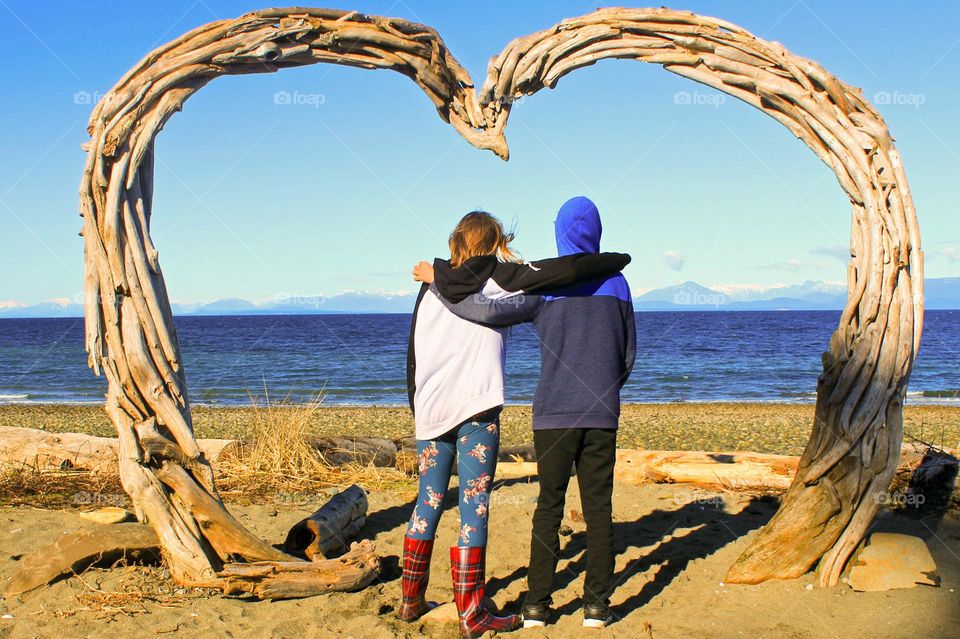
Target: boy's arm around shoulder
501 312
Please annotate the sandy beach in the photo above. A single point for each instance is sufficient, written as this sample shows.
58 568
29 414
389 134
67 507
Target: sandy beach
674 543
674 546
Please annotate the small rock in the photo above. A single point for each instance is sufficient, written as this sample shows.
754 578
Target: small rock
447 612
6 616
892 561
565 530
808 587
108 515
444 613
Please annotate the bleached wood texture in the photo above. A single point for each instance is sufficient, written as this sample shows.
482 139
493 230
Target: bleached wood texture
330 529
353 570
74 552
857 430
43 450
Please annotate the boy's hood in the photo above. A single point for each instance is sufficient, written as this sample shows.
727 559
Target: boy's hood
578 227
578 230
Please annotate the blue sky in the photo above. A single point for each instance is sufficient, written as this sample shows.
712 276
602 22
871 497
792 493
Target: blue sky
350 185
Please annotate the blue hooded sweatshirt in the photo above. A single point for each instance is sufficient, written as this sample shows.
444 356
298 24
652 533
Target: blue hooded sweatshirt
587 335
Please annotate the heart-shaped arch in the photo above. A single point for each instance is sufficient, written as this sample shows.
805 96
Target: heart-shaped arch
130 333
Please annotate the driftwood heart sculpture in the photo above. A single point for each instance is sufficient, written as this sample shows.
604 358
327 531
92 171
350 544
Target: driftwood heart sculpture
130 334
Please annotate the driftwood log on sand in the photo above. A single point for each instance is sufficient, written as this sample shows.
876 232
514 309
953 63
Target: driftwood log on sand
351 571
74 552
329 530
44 450
919 467
32 448
131 337
275 576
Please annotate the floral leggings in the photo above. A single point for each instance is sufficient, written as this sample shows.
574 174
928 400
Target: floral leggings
475 443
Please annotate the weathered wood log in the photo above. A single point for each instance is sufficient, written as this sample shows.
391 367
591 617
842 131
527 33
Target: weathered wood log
749 472
331 529
75 552
853 450
276 580
727 470
342 450
32 448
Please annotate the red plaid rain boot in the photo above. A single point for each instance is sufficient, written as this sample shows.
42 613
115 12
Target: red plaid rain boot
416 574
468 566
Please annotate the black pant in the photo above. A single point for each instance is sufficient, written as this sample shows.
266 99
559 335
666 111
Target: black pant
593 451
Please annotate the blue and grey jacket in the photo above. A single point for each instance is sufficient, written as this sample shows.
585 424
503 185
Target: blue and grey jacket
587 331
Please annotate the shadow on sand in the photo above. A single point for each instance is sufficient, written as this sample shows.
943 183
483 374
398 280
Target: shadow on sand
707 528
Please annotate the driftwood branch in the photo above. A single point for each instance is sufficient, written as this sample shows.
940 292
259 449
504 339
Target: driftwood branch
75 552
353 570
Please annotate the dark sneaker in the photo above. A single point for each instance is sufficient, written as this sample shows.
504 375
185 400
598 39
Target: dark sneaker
597 615
535 615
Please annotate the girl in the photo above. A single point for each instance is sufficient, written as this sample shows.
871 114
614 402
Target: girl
455 385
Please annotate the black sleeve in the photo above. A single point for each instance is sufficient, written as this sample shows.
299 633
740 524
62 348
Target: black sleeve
558 272
456 284
411 353
507 311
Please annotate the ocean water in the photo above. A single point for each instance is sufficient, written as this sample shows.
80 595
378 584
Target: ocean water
361 359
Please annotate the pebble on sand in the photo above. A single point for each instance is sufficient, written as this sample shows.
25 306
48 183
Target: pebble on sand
108 515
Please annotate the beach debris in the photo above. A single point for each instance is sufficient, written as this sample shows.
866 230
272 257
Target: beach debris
890 561
329 530
43 450
107 515
349 572
74 552
576 516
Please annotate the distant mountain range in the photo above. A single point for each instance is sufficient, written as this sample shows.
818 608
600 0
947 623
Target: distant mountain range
941 293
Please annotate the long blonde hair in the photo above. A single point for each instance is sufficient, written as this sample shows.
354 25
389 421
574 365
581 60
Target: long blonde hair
480 233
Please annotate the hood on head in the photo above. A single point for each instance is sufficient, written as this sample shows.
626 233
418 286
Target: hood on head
578 227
